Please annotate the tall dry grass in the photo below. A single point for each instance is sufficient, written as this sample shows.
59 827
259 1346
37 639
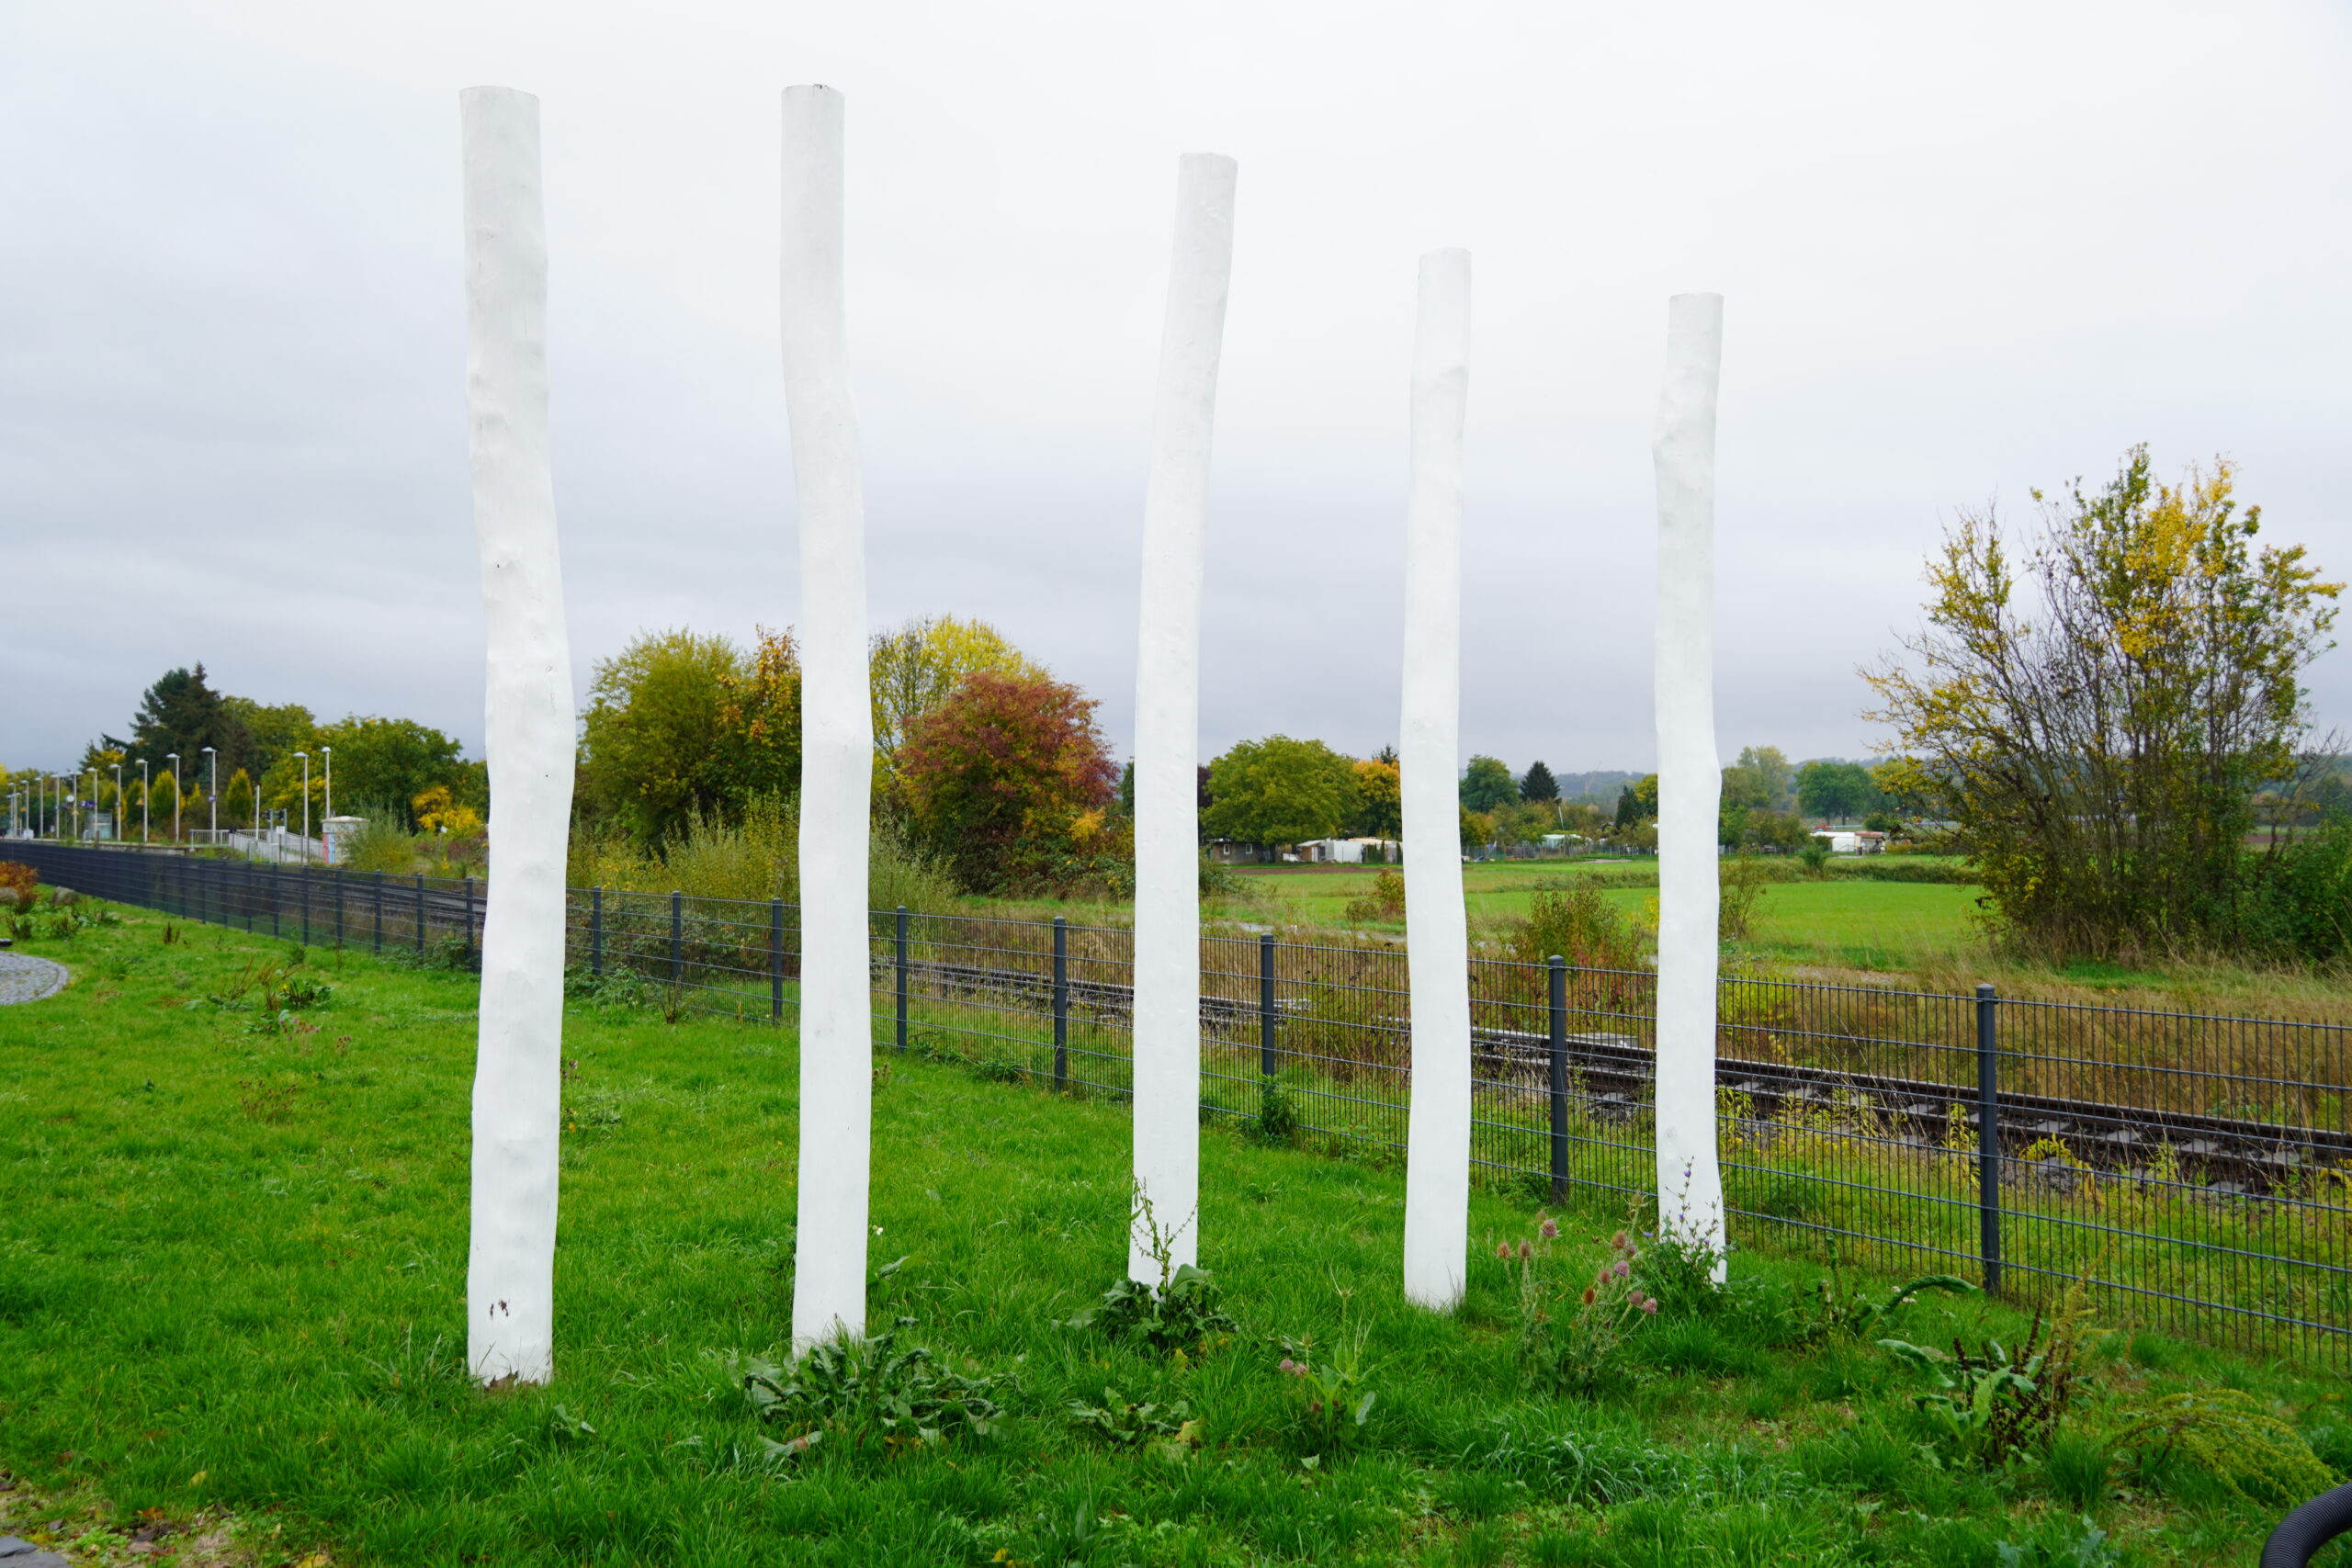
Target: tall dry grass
755 857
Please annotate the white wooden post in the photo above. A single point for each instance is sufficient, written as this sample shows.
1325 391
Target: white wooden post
1689 779
1167 702
1437 939
510 1293
837 734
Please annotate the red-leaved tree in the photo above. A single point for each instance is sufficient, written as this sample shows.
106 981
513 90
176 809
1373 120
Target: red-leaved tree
1010 779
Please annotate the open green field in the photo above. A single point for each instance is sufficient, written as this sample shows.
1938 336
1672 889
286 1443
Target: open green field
231 1269
1840 921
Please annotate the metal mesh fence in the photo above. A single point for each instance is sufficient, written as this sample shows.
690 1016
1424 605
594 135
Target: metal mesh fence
2196 1169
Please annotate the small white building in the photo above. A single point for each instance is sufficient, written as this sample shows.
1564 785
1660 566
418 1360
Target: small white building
1348 851
1852 842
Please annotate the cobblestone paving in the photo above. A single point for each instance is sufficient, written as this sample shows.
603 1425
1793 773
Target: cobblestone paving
24 978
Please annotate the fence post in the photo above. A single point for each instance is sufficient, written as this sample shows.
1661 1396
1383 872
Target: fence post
1555 1009
302 879
470 961
1266 1003
597 931
899 960
379 940
277 895
1061 1003
420 914
677 937
775 961
338 909
1988 1136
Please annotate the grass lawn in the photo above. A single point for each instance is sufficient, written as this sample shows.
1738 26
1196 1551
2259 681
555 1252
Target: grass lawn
231 1274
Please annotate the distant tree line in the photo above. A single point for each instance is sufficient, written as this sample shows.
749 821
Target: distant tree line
384 766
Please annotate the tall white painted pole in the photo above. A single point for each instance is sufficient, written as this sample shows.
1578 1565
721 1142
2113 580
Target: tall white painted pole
1168 705
837 733
509 1272
1689 781
1437 937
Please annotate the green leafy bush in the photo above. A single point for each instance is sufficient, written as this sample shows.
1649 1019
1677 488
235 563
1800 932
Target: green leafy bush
1186 1312
857 1389
1165 1431
1277 1118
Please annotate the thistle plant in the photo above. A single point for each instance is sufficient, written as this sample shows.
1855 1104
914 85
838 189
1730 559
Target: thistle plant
1570 1338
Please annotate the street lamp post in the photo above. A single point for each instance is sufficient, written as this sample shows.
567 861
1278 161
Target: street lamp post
145 793
212 793
306 805
326 807
173 757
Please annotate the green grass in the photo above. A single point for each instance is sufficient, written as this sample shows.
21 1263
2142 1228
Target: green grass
1846 922
1862 925
239 1255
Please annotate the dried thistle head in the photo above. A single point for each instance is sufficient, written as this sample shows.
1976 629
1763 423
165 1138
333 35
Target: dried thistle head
1526 1249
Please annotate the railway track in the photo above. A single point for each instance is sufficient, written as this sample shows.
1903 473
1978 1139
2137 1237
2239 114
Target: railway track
2058 1142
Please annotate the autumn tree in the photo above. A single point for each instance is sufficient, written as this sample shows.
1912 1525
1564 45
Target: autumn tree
1278 791
1637 802
1376 806
237 808
1010 779
2096 714
759 720
917 666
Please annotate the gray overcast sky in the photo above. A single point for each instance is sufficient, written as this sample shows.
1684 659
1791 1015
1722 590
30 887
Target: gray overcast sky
1964 254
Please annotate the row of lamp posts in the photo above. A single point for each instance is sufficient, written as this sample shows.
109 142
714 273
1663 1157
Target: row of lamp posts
21 799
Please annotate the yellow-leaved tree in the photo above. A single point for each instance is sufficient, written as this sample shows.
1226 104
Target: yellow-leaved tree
2096 716
917 666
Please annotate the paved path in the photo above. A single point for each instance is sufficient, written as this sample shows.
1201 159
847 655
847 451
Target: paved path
24 978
